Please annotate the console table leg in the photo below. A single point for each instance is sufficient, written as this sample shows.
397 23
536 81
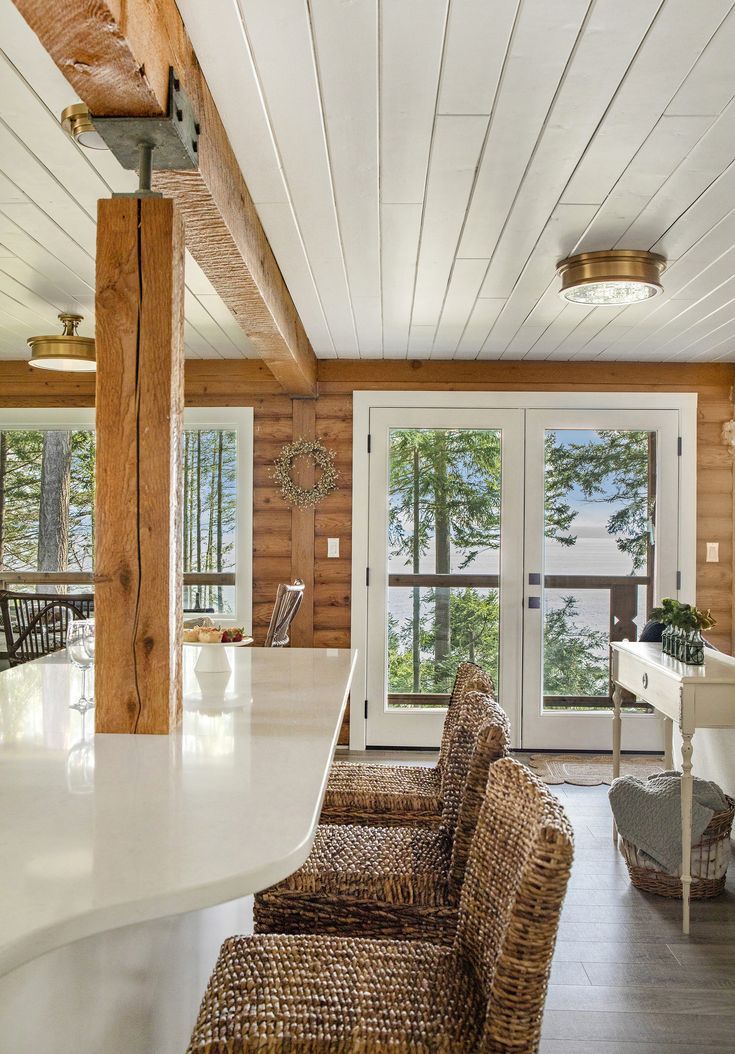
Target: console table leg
668 744
617 698
686 827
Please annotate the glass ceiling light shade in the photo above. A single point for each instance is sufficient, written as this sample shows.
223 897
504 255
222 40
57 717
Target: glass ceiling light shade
66 351
612 279
76 121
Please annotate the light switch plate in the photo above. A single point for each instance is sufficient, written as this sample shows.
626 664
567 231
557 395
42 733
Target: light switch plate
713 552
332 547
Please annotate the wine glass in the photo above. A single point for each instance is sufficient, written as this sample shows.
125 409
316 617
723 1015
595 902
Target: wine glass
89 638
76 649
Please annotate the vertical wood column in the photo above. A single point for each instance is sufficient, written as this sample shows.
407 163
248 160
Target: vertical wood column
140 400
302 528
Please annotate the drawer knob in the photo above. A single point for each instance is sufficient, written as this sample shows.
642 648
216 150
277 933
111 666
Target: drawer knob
645 680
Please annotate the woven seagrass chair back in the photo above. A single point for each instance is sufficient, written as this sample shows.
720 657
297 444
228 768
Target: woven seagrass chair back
35 624
511 899
469 677
288 602
492 744
478 709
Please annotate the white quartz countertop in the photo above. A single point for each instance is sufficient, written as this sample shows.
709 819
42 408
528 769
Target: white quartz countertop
98 831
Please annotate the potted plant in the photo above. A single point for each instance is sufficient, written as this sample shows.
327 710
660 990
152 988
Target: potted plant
682 635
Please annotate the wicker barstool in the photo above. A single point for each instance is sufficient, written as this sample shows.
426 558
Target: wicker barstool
400 882
483 995
375 795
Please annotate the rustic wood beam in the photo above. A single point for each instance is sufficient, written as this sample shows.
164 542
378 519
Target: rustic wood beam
140 406
117 57
208 382
347 375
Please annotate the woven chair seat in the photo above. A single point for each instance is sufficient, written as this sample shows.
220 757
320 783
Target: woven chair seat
400 882
279 994
378 795
406 864
382 794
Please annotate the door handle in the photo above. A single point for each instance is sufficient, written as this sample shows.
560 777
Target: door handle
534 602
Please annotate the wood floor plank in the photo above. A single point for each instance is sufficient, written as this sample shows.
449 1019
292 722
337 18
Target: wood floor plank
693 1031
639 1000
667 930
569 973
566 1046
621 952
696 955
714 976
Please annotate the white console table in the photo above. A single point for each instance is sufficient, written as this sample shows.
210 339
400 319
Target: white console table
693 697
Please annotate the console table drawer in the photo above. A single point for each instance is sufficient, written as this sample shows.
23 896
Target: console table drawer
651 685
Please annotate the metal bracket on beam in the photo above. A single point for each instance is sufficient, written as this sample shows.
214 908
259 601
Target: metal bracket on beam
172 141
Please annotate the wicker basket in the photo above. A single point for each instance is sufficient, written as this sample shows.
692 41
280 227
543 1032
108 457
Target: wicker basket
710 858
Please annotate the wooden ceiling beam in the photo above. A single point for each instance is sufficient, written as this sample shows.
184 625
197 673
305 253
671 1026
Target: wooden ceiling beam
346 375
116 56
208 382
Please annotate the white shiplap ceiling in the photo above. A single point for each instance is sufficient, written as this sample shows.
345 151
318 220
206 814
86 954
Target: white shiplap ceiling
48 201
421 165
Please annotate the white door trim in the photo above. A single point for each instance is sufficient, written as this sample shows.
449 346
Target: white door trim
364 401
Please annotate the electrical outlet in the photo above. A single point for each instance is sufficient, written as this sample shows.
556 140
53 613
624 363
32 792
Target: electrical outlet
713 552
332 547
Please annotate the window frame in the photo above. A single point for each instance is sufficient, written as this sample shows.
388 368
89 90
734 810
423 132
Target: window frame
238 419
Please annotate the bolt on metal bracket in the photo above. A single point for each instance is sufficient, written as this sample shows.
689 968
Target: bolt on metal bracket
146 143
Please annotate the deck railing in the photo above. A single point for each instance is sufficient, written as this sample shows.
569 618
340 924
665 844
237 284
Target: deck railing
623 590
57 579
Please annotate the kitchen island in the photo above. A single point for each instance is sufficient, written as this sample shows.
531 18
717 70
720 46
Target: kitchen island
102 833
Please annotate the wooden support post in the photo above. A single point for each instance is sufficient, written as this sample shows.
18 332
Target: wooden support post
302 528
140 399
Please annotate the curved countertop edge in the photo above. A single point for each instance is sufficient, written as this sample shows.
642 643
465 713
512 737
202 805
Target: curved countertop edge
194 898
128 913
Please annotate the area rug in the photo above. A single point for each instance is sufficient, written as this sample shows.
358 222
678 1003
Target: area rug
590 770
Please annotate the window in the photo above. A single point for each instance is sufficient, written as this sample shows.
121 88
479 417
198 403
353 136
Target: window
47 528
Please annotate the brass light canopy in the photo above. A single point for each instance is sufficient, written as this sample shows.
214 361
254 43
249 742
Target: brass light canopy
612 278
65 351
76 120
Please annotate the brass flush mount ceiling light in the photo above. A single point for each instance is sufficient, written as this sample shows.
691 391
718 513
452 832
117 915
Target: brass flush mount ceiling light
76 121
65 351
613 278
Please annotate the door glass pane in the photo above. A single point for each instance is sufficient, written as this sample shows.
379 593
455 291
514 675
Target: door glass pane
444 520
599 523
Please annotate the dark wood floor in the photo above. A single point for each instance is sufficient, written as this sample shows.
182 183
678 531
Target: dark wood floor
625 980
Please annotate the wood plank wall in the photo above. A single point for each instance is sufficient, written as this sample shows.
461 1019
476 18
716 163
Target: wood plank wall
250 384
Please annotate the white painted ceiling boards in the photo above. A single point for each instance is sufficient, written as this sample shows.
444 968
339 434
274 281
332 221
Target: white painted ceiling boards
419 167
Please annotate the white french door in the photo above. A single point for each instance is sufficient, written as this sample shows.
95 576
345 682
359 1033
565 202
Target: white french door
524 536
601 538
445 525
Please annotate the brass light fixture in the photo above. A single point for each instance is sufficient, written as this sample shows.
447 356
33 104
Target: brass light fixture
66 351
611 279
76 121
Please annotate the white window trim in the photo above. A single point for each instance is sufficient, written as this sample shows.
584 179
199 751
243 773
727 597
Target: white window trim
238 419
363 402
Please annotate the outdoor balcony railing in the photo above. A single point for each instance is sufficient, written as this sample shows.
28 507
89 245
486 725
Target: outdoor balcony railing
623 610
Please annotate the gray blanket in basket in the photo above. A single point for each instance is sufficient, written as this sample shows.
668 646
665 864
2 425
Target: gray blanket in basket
648 813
